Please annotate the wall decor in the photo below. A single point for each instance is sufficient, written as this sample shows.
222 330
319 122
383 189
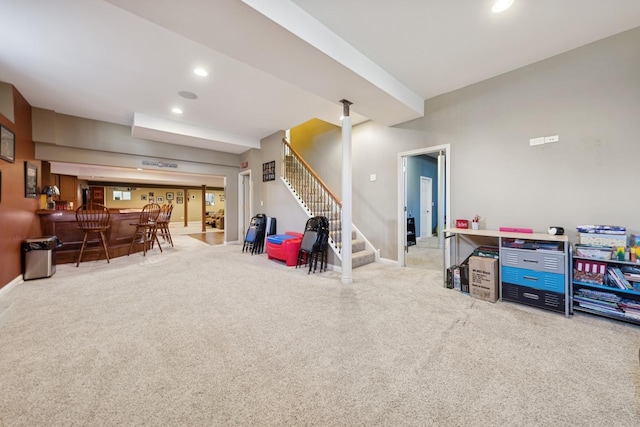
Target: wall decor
150 193
30 180
269 171
97 195
169 196
179 200
159 199
179 194
7 145
143 197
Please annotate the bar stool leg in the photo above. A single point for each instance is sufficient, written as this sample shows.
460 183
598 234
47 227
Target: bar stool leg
84 242
104 245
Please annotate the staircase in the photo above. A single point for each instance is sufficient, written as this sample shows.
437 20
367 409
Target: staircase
317 200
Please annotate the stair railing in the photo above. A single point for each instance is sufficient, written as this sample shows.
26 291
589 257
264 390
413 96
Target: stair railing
312 192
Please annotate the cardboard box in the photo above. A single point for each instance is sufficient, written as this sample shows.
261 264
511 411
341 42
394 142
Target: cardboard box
483 283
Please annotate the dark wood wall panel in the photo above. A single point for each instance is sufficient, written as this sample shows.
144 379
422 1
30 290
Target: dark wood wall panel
18 220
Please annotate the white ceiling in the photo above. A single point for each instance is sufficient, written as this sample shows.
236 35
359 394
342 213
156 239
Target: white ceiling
275 64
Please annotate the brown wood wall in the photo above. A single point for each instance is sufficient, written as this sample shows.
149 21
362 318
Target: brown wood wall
18 220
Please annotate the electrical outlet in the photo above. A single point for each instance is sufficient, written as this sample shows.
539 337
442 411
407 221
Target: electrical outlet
554 138
536 141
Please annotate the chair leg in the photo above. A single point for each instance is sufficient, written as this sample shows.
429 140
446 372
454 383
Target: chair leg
169 234
84 242
165 233
310 258
155 237
135 234
104 245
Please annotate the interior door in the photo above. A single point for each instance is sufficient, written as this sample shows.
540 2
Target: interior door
426 206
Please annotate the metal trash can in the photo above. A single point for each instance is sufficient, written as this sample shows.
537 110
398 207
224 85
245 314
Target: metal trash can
39 259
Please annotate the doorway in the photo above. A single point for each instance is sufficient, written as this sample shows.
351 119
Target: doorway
413 197
245 205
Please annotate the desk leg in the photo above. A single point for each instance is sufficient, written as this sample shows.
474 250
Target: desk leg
444 255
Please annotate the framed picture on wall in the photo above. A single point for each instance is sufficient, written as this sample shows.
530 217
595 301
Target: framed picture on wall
179 194
169 196
159 199
179 200
269 171
143 197
30 180
7 145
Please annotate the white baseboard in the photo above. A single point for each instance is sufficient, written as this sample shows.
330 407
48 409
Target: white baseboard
12 284
6 305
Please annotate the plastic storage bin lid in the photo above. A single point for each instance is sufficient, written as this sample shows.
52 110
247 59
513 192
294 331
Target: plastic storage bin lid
40 243
279 238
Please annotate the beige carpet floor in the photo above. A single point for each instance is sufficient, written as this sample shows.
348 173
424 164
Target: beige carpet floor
206 335
425 254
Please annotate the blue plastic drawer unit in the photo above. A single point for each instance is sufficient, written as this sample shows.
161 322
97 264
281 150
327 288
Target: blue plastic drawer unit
535 279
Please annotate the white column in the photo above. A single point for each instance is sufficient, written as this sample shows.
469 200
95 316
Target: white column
347 277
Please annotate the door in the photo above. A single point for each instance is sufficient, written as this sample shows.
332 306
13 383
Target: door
426 207
245 208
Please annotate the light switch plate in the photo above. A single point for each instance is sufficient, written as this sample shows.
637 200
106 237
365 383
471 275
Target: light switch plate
554 138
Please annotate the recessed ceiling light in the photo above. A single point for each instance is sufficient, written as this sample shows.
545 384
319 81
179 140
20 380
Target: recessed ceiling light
176 110
201 72
501 5
139 169
188 95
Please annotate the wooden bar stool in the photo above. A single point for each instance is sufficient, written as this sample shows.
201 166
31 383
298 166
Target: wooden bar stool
93 218
146 228
163 223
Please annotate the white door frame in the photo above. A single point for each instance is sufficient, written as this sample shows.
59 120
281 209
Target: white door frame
242 224
426 204
402 198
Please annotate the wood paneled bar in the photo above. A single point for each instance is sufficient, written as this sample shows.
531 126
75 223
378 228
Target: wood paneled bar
63 225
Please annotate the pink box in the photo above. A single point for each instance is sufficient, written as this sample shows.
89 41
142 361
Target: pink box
517 230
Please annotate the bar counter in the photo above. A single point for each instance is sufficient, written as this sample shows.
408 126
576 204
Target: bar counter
63 225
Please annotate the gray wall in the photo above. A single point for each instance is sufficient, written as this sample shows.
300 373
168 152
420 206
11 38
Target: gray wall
276 199
589 96
64 138
375 150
